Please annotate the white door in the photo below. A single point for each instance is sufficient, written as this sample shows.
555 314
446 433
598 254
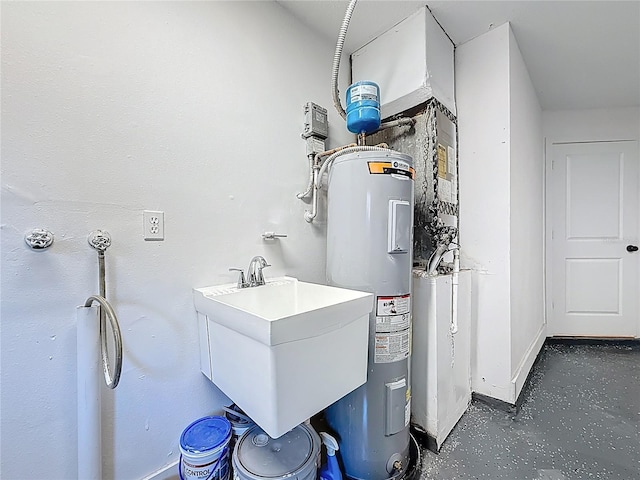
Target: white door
594 219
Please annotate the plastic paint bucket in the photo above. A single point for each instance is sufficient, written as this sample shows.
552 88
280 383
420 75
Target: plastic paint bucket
240 423
204 446
295 455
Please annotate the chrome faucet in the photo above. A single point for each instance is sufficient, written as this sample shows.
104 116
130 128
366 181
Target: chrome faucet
255 277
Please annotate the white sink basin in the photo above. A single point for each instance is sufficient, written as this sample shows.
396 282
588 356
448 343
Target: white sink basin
285 350
283 310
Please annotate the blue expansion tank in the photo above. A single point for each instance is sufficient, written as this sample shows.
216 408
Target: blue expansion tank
363 107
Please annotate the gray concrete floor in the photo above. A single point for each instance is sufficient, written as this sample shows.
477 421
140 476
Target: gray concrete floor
580 419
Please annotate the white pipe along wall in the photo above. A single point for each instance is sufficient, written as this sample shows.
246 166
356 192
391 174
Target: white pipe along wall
110 109
89 373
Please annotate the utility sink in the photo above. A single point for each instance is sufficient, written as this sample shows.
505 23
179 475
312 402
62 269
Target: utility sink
285 350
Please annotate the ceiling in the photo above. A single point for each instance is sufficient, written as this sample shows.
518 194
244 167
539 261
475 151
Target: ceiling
580 54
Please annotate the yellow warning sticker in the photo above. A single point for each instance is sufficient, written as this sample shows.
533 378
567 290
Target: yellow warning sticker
442 161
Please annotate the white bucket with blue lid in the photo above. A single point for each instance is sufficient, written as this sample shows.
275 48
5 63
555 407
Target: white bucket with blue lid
204 448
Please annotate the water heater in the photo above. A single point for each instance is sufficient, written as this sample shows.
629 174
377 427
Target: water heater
369 247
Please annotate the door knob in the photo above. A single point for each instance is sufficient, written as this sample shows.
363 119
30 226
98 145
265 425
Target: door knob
632 248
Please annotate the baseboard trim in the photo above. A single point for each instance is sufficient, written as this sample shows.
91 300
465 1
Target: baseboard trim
621 341
511 408
166 472
523 372
424 439
494 402
514 408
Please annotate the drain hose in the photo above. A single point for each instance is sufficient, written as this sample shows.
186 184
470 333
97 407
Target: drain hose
111 380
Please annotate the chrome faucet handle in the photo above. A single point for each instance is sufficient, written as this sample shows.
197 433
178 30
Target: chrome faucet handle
242 283
273 235
259 275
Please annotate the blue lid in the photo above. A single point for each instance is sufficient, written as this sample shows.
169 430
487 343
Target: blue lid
207 433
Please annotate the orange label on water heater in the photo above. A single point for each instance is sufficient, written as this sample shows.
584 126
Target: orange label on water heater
391 168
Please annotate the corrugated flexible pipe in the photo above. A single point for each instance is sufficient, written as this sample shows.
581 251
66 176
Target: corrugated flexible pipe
434 259
319 171
396 123
338 55
314 165
330 160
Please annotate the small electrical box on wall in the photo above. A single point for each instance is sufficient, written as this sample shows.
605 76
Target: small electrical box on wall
315 121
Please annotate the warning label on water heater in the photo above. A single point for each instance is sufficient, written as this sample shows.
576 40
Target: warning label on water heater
393 323
397 305
392 347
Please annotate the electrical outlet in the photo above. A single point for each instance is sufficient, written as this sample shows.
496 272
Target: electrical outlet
153 223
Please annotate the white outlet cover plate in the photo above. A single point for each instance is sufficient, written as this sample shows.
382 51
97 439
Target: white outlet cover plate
153 225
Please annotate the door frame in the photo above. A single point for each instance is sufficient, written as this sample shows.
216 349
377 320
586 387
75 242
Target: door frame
548 222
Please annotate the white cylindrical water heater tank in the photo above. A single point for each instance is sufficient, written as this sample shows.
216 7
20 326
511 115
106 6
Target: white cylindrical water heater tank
369 248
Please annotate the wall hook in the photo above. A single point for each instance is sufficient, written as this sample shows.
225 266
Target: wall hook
39 239
100 240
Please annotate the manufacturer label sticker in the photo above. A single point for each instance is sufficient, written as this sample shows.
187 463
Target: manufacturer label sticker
364 92
396 167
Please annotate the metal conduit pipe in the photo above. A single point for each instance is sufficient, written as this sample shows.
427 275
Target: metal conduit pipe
337 56
100 241
314 163
319 171
434 259
328 153
362 148
91 337
336 69
396 123
310 184
309 215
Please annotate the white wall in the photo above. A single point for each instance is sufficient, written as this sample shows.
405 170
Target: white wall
482 96
527 226
112 108
501 209
591 125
